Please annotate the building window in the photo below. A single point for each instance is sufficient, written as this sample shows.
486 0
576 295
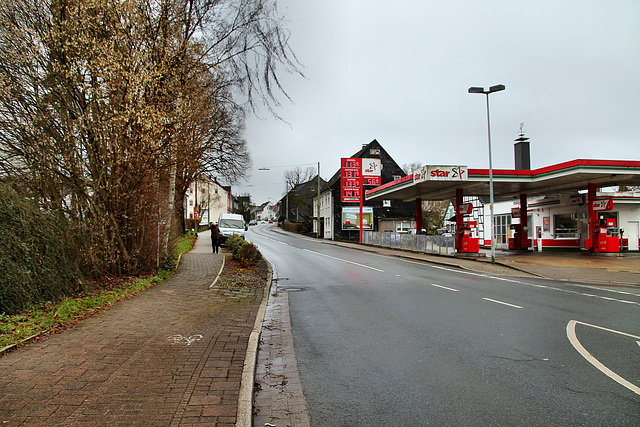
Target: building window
403 227
396 177
190 202
565 226
375 151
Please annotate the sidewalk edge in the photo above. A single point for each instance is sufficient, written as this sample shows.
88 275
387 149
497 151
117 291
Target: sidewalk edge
244 416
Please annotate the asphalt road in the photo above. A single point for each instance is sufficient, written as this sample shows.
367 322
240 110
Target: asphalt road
387 342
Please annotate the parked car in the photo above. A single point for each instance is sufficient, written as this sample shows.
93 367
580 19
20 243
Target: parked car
253 222
231 224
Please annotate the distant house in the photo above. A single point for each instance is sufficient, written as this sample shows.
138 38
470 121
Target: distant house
335 218
297 204
206 199
264 212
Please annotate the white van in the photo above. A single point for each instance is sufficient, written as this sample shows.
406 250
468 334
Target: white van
231 224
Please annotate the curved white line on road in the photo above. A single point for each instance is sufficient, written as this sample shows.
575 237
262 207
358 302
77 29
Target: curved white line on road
343 260
573 339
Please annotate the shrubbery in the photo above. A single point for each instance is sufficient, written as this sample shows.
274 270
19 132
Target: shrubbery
37 256
243 251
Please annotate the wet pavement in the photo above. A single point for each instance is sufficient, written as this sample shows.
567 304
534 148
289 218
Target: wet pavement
172 356
585 267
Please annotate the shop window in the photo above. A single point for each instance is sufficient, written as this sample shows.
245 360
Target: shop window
565 226
501 228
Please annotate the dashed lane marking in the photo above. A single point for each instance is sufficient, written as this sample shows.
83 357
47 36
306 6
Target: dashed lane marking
502 302
584 294
343 260
444 287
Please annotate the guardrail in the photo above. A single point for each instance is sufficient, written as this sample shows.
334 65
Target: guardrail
409 242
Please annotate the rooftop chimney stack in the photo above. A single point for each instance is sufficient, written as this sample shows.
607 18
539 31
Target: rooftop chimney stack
522 151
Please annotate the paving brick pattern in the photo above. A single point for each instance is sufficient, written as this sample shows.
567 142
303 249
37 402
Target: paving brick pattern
172 356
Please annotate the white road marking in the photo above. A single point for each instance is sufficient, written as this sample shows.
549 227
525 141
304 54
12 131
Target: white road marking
470 273
444 287
573 339
501 302
343 260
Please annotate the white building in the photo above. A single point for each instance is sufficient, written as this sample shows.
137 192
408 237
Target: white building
206 199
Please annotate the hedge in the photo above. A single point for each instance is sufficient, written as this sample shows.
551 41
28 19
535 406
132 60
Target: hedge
36 254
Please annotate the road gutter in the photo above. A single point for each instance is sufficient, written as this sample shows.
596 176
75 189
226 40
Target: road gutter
244 417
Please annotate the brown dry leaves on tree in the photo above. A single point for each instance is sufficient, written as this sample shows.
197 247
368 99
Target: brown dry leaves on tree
110 108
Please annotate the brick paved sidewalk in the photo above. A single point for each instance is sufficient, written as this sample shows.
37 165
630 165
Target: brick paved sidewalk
171 356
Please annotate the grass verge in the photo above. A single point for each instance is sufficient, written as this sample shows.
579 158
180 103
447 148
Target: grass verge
43 319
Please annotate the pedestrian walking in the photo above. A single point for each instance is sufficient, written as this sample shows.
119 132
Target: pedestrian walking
215 238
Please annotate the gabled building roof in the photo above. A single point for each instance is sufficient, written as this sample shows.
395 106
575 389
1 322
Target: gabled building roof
364 152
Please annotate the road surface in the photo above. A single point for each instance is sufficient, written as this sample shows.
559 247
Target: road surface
382 341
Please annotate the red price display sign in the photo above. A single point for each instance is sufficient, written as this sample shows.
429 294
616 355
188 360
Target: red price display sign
350 179
372 180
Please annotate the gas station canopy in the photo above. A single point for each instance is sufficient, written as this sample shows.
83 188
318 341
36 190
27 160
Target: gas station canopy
441 182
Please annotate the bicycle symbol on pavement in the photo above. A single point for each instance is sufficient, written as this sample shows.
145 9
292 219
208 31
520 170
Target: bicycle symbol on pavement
179 339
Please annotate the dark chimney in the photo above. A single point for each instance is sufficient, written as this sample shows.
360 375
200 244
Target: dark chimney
522 151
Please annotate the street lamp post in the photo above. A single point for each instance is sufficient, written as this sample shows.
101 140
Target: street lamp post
492 89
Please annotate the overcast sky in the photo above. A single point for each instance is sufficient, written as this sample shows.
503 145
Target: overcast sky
399 72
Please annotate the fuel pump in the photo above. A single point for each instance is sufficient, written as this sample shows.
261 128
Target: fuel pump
470 242
604 240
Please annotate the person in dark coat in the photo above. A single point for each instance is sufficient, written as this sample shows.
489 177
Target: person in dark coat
215 238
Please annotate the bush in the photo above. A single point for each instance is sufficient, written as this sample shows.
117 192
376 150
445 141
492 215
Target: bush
248 255
243 251
36 252
234 242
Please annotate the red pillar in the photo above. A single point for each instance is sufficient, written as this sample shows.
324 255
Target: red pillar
593 217
524 241
418 215
459 219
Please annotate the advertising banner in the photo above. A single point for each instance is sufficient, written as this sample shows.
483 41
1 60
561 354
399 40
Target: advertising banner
371 167
441 173
465 209
351 218
602 205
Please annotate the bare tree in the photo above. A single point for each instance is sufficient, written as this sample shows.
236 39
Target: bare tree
433 213
109 109
297 176
410 168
